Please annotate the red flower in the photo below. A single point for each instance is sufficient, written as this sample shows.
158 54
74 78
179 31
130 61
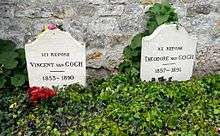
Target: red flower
52 26
40 93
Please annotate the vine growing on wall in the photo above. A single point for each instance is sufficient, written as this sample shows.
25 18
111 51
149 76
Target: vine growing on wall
157 15
13 73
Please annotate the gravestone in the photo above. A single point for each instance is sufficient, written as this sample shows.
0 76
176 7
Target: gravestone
168 53
55 58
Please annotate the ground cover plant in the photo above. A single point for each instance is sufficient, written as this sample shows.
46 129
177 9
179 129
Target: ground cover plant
119 105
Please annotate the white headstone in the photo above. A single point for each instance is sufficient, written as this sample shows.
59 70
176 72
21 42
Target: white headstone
169 53
55 58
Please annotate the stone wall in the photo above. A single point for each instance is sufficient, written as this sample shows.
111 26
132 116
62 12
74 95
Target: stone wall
107 26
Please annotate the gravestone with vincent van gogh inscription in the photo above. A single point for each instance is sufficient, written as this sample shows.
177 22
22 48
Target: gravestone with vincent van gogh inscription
55 58
168 53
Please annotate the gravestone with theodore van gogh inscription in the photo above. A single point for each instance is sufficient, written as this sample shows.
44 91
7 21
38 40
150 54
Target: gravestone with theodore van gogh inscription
168 53
55 58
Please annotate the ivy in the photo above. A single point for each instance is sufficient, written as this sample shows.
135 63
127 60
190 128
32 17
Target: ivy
119 105
116 107
158 14
18 80
13 73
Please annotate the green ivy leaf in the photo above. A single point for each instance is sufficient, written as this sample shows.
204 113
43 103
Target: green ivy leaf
11 64
173 17
8 55
2 81
8 59
123 66
21 53
216 111
6 45
136 41
164 10
18 80
134 71
155 9
127 52
162 19
152 26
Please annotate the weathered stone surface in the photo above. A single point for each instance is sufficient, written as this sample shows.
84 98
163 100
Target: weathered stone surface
208 60
106 26
6 11
86 10
7 1
201 21
149 1
111 10
199 7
